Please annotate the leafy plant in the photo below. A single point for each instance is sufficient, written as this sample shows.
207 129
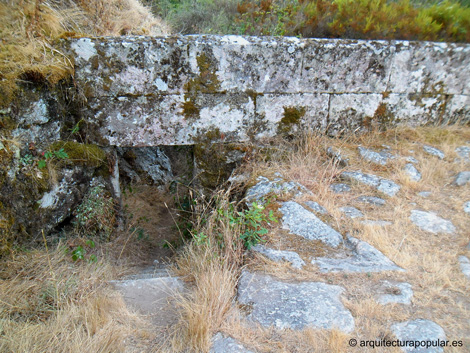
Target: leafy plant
79 252
252 222
50 155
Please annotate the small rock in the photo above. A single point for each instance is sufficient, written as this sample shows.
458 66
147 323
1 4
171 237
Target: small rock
386 186
293 305
400 293
462 178
304 223
278 186
337 156
222 344
464 153
412 172
430 222
465 265
434 151
340 188
376 223
373 200
424 193
412 160
351 212
466 207
316 207
380 158
419 330
362 257
280 255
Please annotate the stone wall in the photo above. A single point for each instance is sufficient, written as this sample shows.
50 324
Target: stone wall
147 91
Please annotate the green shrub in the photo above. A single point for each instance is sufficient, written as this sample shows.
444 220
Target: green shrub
359 19
198 16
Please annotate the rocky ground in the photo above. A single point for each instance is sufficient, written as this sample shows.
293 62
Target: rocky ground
373 245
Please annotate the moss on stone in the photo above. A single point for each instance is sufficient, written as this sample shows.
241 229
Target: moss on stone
190 110
206 82
81 153
292 116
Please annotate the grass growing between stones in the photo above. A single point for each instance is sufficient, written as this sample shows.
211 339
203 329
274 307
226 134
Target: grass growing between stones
430 260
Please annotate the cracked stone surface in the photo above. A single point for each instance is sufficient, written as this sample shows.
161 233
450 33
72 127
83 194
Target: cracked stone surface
358 256
351 212
316 207
465 265
304 223
412 172
293 305
419 330
373 200
227 344
396 292
385 186
280 255
340 188
431 222
278 186
462 178
380 158
434 151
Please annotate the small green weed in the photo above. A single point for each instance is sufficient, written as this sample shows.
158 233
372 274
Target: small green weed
79 252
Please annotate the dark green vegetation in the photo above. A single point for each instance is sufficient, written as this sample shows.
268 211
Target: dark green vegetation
358 19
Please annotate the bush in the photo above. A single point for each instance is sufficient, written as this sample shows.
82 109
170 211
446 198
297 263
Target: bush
198 16
357 19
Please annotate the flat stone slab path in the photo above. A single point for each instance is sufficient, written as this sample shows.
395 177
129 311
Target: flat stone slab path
293 305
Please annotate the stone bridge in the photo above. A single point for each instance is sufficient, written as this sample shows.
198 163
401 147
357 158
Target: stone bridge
150 91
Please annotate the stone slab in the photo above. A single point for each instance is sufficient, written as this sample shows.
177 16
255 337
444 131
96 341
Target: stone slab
293 305
304 223
358 256
227 344
431 222
151 297
280 255
417 331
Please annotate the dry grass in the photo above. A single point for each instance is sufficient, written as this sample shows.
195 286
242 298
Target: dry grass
49 304
440 289
211 268
31 28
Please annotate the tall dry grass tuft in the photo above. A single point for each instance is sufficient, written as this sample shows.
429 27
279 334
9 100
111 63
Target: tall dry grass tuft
50 304
31 28
210 264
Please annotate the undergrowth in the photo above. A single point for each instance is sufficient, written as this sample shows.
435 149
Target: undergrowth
365 19
211 262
